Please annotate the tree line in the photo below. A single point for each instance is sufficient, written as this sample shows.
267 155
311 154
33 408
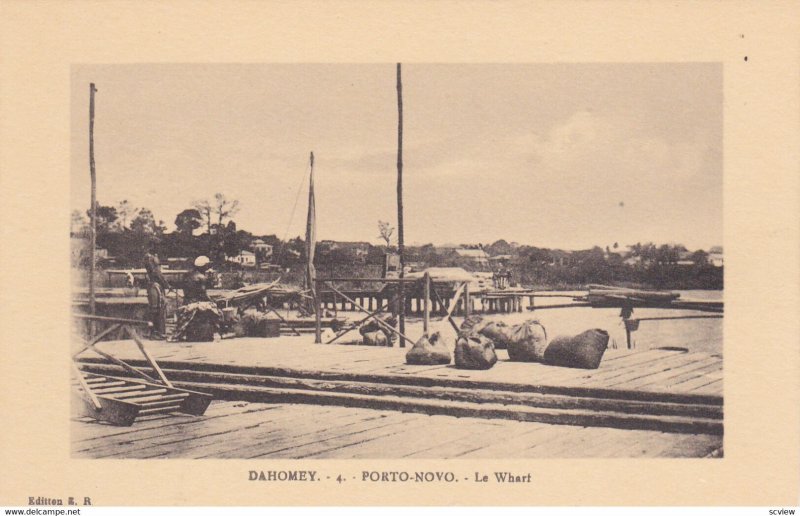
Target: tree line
208 228
127 232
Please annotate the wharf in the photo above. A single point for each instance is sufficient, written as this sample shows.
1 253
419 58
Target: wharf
660 390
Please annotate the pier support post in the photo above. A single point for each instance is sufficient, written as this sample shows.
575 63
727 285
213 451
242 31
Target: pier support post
467 300
426 313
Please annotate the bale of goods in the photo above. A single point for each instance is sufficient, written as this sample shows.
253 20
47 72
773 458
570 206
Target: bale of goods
584 351
474 351
256 324
373 326
499 332
429 351
472 322
527 342
375 338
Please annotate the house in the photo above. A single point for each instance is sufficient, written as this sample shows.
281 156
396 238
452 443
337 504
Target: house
501 260
451 275
715 256
476 256
685 259
261 248
560 257
357 250
244 258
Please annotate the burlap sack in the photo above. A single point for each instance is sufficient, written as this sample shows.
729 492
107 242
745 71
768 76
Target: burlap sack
474 351
472 322
584 351
375 338
498 332
527 342
372 326
429 351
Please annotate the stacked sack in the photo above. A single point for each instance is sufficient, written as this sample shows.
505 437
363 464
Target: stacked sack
429 351
375 334
527 342
474 350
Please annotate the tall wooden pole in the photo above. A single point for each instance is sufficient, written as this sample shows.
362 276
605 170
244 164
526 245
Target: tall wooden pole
93 211
400 245
426 311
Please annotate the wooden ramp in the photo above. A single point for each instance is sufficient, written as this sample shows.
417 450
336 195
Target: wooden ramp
659 390
121 401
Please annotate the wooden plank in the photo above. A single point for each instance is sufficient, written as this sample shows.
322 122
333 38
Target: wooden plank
660 370
151 430
659 361
448 377
483 410
715 387
661 380
159 410
692 446
84 435
621 379
456 394
355 439
158 397
420 431
308 443
136 393
695 383
349 444
299 421
164 443
515 441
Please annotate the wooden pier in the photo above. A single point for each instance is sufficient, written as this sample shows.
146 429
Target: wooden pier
243 430
659 391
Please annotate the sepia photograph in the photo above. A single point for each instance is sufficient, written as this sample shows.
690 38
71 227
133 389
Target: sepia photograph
397 261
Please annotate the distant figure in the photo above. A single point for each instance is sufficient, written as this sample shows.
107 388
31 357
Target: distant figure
199 318
156 294
194 288
130 282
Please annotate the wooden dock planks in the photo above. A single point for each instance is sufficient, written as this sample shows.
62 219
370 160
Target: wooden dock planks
291 354
654 390
244 430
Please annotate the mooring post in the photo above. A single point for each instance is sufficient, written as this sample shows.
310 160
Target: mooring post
317 315
467 300
426 313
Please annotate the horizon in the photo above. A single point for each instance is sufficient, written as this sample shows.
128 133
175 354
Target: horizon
621 153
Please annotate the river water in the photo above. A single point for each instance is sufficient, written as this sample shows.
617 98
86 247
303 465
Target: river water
692 334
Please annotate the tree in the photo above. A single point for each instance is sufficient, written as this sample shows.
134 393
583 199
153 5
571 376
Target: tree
106 217
145 223
223 208
385 229
188 220
205 210
700 257
499 247
125 211
79 225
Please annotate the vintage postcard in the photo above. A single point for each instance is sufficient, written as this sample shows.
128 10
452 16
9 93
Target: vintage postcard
394 254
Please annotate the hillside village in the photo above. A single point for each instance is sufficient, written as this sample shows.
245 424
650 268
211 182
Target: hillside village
122 239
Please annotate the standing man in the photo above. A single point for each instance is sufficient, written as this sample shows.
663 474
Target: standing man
156 293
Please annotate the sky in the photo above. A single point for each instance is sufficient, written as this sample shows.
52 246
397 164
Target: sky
553 155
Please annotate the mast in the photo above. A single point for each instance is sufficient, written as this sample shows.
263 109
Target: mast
311 237
400 244
93 210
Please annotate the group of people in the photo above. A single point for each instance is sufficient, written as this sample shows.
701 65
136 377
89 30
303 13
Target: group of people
195 299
